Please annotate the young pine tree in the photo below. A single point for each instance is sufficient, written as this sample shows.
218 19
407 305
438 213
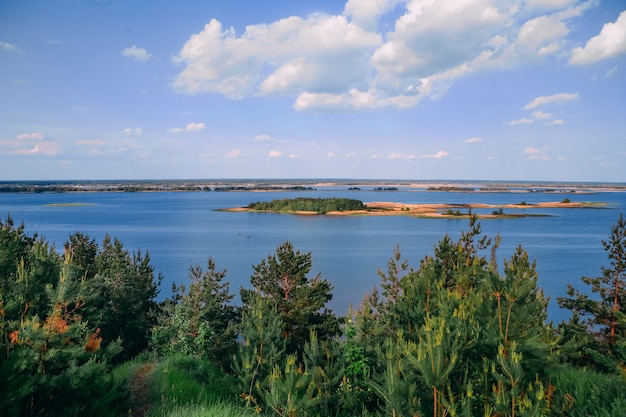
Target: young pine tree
300 300
605 315
200 320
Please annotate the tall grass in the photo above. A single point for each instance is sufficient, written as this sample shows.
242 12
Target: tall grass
160 386
586 393
223 409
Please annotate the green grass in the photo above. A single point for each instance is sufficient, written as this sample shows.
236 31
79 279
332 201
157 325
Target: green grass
176 384
590 394
222 409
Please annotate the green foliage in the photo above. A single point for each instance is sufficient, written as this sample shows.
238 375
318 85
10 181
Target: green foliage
580 392
120 294
301 301
199 321
605 314
263 347
455 336
221 409
447 322
52 362
315 205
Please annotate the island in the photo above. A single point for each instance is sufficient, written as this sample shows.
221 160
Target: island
352 207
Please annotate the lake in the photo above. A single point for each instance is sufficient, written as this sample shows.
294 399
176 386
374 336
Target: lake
180 229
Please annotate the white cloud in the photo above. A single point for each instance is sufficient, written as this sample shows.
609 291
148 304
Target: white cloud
194 127
522 121
534 153
431 45
542 35
539 115
139 54
556 98
366 13
288 56
41 148
400 156
331 155
191 127
438 155
557 122
129 131
274 153
609 43
31 136
263 138
473 140
233 154
10 47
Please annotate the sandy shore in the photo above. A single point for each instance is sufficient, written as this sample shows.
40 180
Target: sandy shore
385 208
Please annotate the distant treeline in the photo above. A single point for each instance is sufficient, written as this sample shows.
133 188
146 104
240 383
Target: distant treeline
138 187
316 205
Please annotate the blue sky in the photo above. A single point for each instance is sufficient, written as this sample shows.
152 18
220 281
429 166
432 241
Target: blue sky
405 89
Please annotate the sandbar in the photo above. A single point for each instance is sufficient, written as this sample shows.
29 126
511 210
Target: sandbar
441 210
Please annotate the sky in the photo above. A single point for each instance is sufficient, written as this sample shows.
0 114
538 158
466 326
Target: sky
363 89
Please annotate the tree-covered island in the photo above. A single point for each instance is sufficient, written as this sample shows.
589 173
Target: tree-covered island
308 205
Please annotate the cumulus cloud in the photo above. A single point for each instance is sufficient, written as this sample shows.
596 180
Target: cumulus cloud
366 13
556 98
557 122
430 46
129 131
539 115
191 127
522 121
399 156
274 153
288 56
438 155
534 153
139 54
263 138
30 136
473 140
609 43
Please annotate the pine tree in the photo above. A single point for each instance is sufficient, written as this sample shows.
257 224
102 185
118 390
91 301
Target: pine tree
262 347
122 296
301 300
606 315
53 363
199 321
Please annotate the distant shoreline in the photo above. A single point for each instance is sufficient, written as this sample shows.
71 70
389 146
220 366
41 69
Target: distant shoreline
268 185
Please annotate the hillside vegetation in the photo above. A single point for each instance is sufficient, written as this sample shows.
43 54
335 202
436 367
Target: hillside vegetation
463 333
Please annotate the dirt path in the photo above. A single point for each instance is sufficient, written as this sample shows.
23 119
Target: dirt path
139 391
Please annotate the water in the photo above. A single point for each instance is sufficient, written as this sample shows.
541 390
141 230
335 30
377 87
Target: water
185 228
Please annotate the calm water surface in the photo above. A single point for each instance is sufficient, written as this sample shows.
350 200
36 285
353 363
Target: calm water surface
185 228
